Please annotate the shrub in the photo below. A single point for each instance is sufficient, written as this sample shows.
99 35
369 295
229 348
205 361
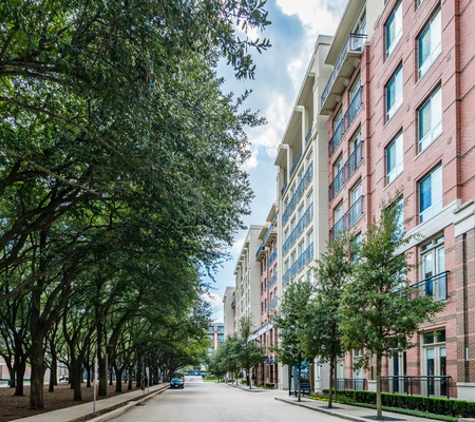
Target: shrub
450 407
270 385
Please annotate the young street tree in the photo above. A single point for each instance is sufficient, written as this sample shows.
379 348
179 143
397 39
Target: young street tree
332 272
250 354
294 322
379 309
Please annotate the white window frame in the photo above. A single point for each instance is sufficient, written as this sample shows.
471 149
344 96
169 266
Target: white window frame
434 31
395 149
396 19
436 198
434 101
397 80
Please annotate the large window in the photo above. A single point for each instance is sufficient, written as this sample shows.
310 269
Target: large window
430 120
394 159
393 29
430 194
434 364
394 94
430 44
434 279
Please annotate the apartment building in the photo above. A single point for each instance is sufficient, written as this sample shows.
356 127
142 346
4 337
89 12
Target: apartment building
229 305
302 166
216 335
247 280
400 104
266 335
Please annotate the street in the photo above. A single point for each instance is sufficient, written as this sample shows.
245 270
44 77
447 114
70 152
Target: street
213 402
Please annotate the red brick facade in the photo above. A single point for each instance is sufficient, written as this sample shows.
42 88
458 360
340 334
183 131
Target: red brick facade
450 227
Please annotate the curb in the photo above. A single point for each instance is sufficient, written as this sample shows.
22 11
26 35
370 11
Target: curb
119 409
323 410
246 388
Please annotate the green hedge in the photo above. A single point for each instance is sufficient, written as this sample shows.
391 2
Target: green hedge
450 407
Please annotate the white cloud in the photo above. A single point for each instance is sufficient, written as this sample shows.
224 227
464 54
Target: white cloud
216 302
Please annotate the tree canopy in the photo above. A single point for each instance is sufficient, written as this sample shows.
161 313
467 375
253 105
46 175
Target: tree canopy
120 160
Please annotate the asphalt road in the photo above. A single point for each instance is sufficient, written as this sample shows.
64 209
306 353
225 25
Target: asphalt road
215 402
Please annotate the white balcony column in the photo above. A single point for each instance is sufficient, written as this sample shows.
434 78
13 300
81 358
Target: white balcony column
301 109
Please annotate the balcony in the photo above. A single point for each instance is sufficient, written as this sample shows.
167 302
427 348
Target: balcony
296 162
348 169
273 281
435 286
348 60
349 219
298 265
298 230
260 252
273 303
349 116
284 188
298 193
309 134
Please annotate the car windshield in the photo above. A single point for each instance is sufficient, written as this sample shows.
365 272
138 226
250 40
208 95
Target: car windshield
176 379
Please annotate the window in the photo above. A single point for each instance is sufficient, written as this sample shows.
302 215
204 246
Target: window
310 198
338 213
430 44
430 120
300 212
356 193
393 29
434 364
394 159
355 246
430 194
337 175
433 275
355 99
309 238
394 94
301 248
360 27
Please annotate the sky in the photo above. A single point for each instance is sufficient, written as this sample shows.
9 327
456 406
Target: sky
279 75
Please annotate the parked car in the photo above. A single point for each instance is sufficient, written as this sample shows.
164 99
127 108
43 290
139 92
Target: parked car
177 383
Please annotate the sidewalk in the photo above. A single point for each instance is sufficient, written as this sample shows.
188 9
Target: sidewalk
348 412
106 409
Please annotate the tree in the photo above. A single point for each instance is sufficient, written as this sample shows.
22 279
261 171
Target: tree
294 322
250 354
379 309
332 271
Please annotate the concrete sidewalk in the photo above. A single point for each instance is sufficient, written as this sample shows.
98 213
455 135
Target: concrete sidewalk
348 412
106 409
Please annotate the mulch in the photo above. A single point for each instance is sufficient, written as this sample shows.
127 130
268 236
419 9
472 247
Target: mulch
13 407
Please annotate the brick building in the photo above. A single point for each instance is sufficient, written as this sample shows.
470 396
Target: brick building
400 104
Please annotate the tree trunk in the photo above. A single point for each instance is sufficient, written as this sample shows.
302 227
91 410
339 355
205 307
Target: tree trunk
130 386
75 376
118 379
37 374
332 379
19 375
12 372
53 374
378 388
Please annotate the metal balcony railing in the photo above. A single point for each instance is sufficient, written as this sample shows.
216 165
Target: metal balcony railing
350 166
349 218
435 286
419 385
354 42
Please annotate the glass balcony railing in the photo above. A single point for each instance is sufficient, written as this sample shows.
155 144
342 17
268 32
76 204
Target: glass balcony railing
349 116
346 171
349 219
353 43
296 161
298 193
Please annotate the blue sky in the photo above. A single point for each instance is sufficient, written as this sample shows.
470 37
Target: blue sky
279 74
